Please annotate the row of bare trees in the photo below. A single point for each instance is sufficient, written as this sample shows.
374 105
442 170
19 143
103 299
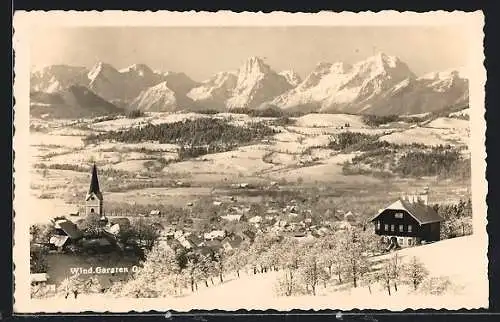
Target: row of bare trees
303 265
394 272
168 272
345 257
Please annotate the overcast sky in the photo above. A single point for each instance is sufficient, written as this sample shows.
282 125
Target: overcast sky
201 52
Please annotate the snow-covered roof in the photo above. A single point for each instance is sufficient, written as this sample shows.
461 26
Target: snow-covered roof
58 240
423 214
232 217
255 219
39 277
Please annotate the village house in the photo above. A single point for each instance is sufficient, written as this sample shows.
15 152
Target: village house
168 232
178 233
255 220
343 225
115 225
247 235
155 212
350 217
185 242
65 232
230 218
232 243
196 240
215 234
39 278
408 221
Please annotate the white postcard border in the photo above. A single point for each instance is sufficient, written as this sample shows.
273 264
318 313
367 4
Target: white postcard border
24 21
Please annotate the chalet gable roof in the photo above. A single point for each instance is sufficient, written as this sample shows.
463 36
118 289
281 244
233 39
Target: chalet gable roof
423 214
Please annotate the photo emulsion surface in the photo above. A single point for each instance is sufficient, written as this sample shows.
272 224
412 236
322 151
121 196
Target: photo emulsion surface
180 161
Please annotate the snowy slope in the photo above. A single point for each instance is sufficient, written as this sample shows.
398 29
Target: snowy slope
121 86
214 92
108 82
57 77
291 77
345 87
256 83
461 259
129 82
180 83
160 98
429 93
73 102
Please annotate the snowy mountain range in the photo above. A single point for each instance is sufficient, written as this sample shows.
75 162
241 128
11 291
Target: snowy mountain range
75 101
379 85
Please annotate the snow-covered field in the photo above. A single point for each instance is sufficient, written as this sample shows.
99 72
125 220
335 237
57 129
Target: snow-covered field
245 160
449 123
459 259
462 113
298 153
432 136
149 118
54 139
330 120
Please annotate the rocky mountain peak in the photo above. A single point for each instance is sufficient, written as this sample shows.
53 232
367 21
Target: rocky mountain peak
139 69
254 65
292 77
101 68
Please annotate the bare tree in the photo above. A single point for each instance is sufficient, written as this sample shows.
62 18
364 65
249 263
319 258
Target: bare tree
355 255
415 272
159 275
237 260
332 256
396 268
385 276
205 266
193 272
289 261
219 264
310 271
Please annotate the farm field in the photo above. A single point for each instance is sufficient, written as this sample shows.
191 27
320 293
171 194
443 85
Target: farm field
296 157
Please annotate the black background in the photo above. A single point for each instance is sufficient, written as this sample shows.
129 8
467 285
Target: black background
492 136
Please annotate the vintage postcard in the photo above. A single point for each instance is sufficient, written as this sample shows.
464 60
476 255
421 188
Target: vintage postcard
180 161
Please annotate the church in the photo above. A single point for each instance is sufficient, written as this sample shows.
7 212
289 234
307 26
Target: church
94 199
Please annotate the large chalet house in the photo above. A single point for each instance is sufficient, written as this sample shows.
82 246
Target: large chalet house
408 221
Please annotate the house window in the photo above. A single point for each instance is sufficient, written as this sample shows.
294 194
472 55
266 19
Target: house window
400 228
398 215
392 227
401 241
410 228
386 227
92 210
91 198
378 225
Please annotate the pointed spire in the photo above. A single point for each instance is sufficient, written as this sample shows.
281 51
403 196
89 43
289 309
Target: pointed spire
94 183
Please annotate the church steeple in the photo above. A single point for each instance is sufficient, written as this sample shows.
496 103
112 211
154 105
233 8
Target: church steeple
94 200
94 183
